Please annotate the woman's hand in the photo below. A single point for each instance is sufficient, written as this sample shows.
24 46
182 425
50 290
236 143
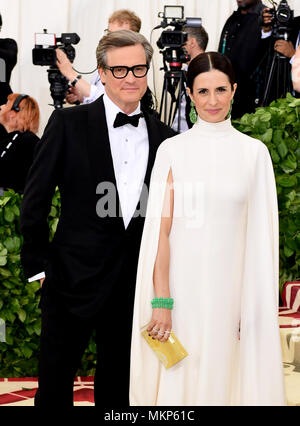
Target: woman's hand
160 325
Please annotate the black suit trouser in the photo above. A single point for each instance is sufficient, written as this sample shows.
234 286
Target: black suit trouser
64 338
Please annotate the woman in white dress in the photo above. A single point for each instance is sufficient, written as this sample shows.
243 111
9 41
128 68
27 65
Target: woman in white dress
210 243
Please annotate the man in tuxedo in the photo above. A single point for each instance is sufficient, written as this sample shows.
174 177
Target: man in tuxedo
100 155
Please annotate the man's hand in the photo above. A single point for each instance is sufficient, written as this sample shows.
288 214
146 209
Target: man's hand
267 20
286 48
73 95
64 65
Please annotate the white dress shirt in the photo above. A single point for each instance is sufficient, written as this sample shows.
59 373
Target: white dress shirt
129 147
97 89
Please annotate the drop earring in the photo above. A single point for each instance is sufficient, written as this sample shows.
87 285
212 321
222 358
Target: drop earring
230 109
193 114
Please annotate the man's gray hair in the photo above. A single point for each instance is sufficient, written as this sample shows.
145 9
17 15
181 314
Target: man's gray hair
199 34
123 38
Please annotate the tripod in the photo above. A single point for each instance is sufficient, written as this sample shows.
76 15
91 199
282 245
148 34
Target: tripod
174 84
279 81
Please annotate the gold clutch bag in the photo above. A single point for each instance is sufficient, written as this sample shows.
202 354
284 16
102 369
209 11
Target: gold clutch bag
169 352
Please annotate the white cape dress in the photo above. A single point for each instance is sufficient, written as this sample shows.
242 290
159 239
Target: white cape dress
223 269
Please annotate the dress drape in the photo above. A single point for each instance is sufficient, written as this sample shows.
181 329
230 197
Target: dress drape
223 269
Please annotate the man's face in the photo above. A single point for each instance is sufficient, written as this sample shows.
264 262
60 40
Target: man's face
188 46
128 91
246 4
192 47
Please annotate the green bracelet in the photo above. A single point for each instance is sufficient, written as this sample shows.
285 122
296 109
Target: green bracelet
162 302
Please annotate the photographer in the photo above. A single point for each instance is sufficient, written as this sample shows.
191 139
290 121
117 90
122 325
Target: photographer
82 91
288 47
20 118
196 43
241 42
8 60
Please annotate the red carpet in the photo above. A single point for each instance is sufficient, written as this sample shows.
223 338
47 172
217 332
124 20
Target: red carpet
21 391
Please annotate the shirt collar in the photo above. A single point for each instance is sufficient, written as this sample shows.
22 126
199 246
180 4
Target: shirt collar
111 110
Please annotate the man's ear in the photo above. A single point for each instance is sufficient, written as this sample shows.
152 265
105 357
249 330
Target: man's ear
102 74
193 42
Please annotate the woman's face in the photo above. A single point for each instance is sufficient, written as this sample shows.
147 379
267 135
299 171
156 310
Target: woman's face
4 109
212 94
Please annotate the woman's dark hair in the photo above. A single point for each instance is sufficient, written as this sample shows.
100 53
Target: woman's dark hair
208 61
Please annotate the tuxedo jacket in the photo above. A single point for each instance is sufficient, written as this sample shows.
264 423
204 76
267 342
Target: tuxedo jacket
89 255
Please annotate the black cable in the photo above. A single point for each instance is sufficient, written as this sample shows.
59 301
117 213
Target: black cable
80 72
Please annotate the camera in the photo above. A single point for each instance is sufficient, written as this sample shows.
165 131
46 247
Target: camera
44 54
46 44
282 19
173 41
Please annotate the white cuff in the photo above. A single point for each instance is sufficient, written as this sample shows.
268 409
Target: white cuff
292 60
266 35
94 94
37 277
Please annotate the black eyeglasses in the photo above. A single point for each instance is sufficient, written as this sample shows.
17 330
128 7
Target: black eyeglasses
121 71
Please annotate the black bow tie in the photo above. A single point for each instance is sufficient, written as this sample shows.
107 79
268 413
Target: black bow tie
122 119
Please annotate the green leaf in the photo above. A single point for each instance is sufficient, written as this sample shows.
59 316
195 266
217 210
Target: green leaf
289 165
286 181
288 252
12 244
282 149
8 284
53 211
4 201
275 157
27 351
9 215
267 136
277 136
22 315
3 260
266 116
3 252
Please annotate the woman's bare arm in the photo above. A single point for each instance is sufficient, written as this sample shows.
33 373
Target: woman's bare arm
161 318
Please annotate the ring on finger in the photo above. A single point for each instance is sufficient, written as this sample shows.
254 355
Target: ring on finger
167 332
155 329
160 333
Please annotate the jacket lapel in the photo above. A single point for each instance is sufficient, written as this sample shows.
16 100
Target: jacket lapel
154 141
99 152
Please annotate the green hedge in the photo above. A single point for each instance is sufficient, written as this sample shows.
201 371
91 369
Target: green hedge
19 299
278 126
